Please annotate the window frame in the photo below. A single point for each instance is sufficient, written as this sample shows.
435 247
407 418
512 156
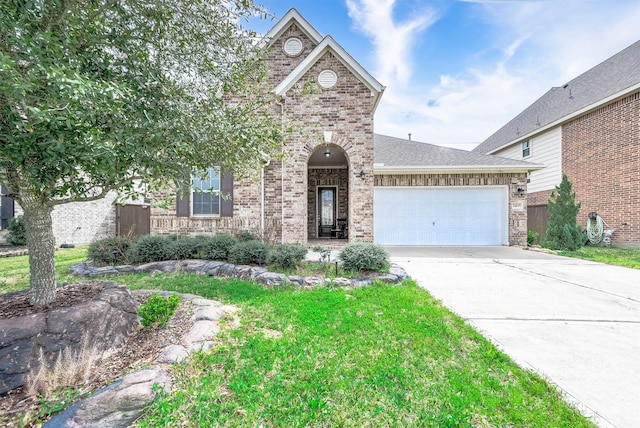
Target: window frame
214 192
526 146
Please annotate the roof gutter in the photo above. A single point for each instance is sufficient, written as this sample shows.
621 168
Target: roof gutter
455 169
587 109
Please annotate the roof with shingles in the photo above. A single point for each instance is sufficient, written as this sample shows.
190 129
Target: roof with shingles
398 154
613 76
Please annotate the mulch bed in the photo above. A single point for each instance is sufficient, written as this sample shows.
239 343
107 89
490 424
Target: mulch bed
139 350
17 304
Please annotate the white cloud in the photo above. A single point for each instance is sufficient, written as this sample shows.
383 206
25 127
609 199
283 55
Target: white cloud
393 41
543 44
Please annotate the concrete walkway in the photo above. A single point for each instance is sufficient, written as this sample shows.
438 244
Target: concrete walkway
577 323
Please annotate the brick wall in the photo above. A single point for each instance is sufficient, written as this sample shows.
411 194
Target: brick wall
281 64
308 110
601 156
346 109
247 200
81 223
517 203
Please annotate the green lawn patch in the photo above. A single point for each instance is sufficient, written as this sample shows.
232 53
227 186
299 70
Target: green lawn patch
382 355
374 356
610 255
14 271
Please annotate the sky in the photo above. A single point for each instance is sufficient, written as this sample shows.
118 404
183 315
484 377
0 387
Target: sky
455 71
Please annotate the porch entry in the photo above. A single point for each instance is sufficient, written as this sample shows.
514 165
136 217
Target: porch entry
326 211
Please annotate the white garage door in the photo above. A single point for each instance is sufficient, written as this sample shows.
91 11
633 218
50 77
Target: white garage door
440 215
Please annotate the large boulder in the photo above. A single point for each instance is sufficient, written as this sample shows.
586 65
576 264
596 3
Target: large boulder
102 322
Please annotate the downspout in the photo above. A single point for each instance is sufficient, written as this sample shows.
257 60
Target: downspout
281 104
266 161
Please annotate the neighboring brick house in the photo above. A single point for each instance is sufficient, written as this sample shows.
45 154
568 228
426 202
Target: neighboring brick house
589 129
73 223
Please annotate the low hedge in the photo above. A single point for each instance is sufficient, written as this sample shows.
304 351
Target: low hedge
362 256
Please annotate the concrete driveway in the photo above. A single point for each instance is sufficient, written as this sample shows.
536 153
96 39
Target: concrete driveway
577 323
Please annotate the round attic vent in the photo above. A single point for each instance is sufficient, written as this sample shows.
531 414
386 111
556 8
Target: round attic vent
292 46
327 78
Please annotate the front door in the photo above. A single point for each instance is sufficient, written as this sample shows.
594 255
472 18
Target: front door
326 211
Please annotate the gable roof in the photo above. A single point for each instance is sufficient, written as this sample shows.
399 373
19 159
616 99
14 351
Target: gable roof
328 44
607 81
393 155
325 44
277 30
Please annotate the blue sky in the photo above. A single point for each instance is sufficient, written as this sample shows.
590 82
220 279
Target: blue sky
455 71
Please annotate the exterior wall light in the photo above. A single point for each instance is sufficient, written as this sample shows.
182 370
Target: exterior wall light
327 153
361 174
520 191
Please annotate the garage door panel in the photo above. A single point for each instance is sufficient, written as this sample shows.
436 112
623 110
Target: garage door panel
440 216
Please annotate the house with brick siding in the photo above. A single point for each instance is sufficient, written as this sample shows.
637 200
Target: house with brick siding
336 180
339 180
588 128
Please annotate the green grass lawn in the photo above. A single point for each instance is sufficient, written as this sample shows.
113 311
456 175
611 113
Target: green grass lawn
610 255
14 271
382 355
375 356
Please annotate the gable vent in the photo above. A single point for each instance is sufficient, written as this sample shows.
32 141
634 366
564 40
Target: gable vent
292 47
327 78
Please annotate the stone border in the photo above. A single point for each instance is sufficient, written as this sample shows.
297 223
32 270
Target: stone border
124 401
396 274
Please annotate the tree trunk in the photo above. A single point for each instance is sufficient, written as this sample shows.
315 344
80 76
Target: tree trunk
41 245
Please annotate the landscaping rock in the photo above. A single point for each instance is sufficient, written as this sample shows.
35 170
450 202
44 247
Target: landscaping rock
297 280
257 270
361 282
201 331
201 346
398 271
271 279
388 278
209 313
118 405
220 269
173 354
198 301
341 282
104 322
243 272
227 270
313 280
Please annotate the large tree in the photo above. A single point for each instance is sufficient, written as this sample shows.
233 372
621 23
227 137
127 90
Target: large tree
101 95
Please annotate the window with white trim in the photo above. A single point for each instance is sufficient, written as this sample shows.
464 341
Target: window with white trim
205 196
526 148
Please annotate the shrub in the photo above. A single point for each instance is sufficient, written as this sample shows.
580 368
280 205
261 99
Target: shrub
149 248
532 237
245 235
364 256
248 252
286 256
112 250
181 248
563 231
17 231
217 247
158 310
